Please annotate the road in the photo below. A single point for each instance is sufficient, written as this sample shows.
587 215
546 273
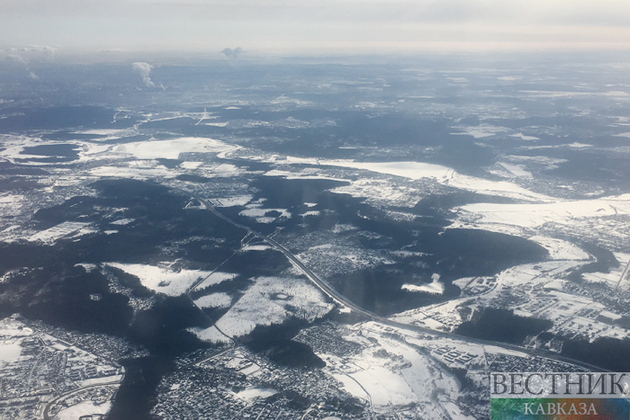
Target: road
61 397
342 300
623 275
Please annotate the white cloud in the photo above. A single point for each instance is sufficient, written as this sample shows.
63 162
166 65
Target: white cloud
144 69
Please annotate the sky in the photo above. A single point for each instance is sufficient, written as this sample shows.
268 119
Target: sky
316 25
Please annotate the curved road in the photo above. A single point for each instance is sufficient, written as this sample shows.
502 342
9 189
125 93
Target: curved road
50 404
342 300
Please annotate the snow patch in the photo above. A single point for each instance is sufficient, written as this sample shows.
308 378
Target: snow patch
211 334
215 300
162 279
258 306
171 149
215 278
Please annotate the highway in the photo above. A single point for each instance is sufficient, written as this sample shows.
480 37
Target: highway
342 300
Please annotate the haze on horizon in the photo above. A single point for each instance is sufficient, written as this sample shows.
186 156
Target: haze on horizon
317 25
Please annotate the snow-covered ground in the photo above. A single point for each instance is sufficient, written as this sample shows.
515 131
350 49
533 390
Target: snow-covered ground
238 200
559 249
11 205
256 211
516 170
133 171
162 279
270 300
616 277
419 170
532 290
214 300
534 215
388 373
482 131
329 259
215 278
252 394
83 409
63 230
171 149
28 353
210 334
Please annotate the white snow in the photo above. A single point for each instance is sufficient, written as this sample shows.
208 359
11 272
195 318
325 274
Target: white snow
162 279
524 137
392 193
214 300
255 211
65 229
190 165
121 222
351 386
441 174
531 215
252 394
516 170
223 170
613 278
389 372
11 205
88 267
577 145
215 278
303 173
118 132
171 149
559 249
10 352
237 200
481 131
342 227
258 307
384 386
134 172
257 247
211 334
82 409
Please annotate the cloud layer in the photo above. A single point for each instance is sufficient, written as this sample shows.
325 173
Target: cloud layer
211 24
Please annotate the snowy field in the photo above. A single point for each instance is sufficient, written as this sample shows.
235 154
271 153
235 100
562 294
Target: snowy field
419 170
83 409
210 334
390 373
63 230
215 278
162 279
11 205
534 215
214 300
270 300
171 149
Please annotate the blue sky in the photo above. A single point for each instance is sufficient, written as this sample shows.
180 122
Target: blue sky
317 25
